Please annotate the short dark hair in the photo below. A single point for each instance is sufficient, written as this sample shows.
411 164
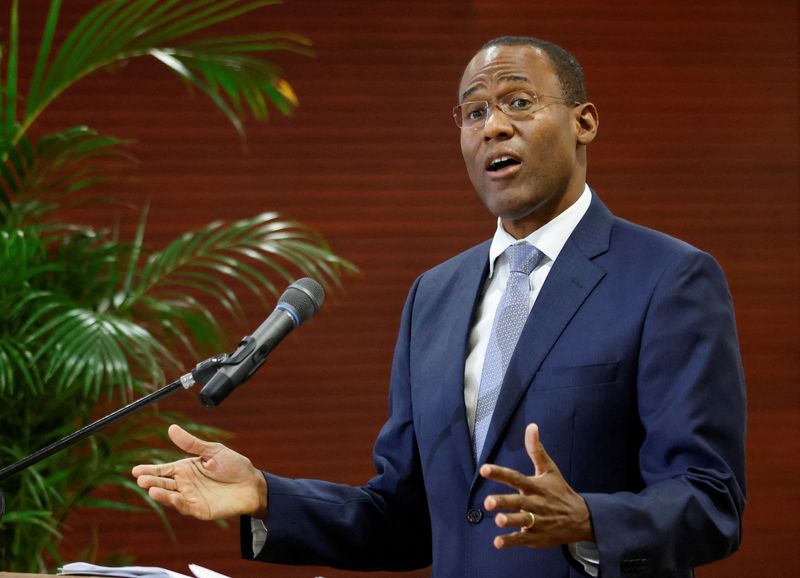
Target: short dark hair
567 68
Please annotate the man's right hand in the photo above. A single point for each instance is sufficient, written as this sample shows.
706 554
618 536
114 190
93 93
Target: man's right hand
218 483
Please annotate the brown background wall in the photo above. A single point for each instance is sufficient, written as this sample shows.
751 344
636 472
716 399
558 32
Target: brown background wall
699 138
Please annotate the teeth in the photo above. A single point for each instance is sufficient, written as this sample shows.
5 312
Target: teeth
501 159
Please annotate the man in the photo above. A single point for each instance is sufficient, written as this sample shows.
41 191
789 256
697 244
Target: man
613 344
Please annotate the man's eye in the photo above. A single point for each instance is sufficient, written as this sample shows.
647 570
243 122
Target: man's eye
520 103
474 113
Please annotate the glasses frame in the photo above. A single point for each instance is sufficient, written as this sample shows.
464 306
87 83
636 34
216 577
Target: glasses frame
502 104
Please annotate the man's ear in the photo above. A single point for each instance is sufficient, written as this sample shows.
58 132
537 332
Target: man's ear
587 122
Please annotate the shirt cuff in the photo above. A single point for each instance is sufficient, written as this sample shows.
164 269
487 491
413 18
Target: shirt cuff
586 553
259 530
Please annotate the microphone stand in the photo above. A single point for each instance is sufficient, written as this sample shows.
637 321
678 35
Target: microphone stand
201 374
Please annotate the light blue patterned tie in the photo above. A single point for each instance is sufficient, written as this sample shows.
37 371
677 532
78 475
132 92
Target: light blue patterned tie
508 321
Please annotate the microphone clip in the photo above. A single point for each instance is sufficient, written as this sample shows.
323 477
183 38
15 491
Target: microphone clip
204 370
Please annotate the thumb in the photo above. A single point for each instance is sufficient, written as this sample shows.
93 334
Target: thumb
189 443
541 461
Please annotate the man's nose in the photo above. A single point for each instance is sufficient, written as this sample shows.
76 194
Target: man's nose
497 124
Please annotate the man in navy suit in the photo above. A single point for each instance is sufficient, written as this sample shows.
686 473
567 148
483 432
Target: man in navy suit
626 368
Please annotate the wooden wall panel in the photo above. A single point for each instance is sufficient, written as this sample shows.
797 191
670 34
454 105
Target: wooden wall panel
698 138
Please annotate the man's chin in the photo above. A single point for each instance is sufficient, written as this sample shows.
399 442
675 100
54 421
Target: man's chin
521 219
510 207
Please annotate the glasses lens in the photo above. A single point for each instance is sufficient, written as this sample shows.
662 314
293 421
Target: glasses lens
519 104
471 114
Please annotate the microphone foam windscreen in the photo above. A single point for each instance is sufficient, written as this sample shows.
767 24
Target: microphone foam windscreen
305 296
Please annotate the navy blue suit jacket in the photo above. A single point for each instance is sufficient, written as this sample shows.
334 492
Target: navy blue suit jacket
628 362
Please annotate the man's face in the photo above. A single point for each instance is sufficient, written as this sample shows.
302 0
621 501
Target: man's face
544 171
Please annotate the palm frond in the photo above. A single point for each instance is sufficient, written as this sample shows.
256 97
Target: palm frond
87 349
58 165
8 110
179 316
235 251
38 519
30 517
174 284
136 251
17 369
22 257
235 82
228 70
91 264
107 504
45 45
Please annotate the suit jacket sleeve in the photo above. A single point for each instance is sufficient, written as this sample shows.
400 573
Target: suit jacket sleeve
691 404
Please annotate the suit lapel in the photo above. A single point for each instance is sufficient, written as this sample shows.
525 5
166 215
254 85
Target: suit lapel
466 289
571 280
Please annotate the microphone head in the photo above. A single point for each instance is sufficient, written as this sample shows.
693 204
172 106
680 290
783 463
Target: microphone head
305 296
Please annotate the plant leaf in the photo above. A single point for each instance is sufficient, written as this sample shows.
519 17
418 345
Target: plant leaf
117 31
10 91
44 50
57 165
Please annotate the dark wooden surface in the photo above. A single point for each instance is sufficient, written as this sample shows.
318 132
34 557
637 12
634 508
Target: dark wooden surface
698 138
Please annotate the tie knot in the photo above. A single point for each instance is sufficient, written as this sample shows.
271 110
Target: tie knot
523 257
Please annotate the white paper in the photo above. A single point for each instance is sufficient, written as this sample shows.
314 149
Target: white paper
134 571
201 572
118 572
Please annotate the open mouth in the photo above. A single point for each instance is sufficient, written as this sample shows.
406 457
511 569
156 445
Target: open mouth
501 163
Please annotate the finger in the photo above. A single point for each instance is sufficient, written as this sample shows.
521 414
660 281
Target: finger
171 499
179 503
507 476
513 540
503 502
189 443
161 470
148 482
164 497
541 460
515 520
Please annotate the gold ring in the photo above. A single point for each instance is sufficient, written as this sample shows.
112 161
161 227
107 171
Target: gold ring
531 521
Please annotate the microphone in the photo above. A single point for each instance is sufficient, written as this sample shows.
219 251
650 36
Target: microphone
299 303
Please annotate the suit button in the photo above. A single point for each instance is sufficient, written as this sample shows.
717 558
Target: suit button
474 515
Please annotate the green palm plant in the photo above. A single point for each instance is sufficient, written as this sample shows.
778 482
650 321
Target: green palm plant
87 318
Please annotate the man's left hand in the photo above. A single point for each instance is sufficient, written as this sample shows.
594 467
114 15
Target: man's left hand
560 514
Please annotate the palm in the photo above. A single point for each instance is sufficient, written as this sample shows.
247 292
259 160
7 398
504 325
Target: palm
219 483
215 488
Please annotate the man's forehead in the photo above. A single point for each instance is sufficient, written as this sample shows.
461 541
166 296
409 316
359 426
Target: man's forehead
503 64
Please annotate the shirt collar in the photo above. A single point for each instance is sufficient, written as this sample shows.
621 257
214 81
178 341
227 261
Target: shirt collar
550 238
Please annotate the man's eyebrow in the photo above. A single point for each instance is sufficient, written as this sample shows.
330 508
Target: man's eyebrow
514 78
506 78
468 92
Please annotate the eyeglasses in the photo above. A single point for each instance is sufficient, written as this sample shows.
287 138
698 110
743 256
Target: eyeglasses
515 105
